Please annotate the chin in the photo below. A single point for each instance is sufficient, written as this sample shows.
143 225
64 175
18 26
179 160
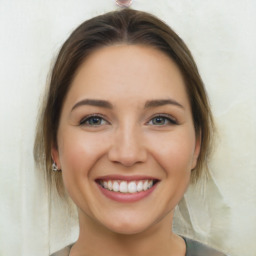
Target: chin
128 228
131 224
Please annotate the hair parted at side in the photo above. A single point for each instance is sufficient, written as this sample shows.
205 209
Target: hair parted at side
126 26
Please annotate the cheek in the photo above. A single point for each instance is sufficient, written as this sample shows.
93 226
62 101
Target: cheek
78 153
175 153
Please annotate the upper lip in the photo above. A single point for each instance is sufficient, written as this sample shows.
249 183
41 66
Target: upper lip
126 178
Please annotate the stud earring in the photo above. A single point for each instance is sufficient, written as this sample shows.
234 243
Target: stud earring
54 167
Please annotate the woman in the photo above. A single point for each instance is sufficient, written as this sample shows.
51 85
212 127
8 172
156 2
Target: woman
125 128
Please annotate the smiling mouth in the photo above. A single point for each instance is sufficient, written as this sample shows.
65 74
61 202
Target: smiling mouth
127 187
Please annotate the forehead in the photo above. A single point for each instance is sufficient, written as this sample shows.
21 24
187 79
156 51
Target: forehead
123 71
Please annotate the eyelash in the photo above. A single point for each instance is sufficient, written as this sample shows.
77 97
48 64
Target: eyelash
166 117
90 117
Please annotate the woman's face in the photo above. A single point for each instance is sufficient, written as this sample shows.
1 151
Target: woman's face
126 140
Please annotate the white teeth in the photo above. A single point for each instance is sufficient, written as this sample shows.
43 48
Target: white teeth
110 185
116 186
127 187
140 186
132 187
105 184
145 185
123 187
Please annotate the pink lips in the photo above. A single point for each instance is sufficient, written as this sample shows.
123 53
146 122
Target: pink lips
125 197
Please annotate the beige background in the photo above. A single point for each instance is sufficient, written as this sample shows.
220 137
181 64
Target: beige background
222 38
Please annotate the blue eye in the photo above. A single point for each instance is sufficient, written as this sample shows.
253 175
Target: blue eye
162 120
93 121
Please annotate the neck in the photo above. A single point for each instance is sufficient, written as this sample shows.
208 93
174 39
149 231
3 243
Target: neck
156 240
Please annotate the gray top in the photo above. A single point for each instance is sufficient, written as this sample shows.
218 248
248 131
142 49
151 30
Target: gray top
194 248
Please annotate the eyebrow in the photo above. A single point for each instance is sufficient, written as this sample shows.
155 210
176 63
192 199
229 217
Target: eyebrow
93 102
162 102
107 104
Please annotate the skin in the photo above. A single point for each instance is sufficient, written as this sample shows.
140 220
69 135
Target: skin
128 139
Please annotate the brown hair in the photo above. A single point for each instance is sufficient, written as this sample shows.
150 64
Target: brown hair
129 27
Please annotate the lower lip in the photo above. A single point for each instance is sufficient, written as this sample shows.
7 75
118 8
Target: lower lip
126 197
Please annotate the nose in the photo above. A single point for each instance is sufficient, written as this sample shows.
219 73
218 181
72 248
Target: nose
127 147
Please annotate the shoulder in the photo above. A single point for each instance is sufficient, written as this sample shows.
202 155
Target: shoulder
195 248
63 252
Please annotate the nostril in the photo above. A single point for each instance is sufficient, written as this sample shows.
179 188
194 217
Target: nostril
127 148
127 160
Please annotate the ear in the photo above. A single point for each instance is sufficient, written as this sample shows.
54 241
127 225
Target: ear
55 156
197 150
